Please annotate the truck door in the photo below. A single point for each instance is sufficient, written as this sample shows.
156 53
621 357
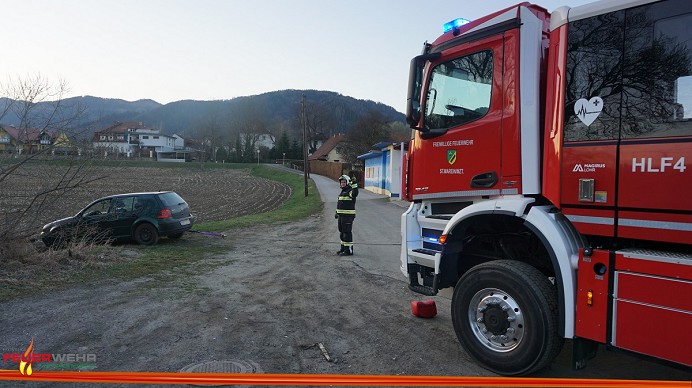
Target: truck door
628 124
654 186
592 122
457 152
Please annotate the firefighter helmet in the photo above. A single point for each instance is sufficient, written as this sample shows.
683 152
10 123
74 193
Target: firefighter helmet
345 178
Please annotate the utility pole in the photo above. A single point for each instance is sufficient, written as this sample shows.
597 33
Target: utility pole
305 145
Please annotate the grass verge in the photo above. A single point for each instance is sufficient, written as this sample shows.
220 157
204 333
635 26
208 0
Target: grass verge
297 206
168 261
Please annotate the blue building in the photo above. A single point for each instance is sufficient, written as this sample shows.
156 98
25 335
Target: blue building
382 171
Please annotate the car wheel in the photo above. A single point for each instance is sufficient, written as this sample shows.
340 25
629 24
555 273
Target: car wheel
56 242
49 241
146 234
505 314
176 236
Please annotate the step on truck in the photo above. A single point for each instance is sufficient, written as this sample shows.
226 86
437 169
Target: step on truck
549 180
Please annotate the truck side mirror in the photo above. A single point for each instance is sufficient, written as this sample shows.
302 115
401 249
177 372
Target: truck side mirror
415 86
413 113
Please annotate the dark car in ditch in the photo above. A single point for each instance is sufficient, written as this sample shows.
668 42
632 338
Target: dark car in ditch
142 217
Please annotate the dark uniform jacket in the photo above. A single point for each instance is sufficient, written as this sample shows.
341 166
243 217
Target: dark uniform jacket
346 205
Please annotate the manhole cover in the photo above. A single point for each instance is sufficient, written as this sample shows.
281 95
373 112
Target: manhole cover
228 366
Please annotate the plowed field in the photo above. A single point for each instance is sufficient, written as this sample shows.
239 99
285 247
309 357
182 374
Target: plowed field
213 194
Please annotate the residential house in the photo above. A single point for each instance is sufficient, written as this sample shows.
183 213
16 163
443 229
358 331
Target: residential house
8 141
265 140
383 168
135 138
328 150
257 140
31 140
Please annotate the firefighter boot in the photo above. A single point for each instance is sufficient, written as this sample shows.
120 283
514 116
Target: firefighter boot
348 251
340 251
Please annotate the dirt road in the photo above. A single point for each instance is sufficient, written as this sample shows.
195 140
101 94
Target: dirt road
266 305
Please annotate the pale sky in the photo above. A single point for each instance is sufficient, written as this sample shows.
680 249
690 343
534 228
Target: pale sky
170 50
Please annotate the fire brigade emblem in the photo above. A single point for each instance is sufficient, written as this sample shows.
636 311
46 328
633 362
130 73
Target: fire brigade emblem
451 156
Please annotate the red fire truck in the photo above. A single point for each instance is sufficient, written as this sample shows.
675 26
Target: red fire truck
549 181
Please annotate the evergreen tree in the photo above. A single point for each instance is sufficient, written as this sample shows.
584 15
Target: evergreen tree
238 154
249 151
282 148
222 155
284 144
296 150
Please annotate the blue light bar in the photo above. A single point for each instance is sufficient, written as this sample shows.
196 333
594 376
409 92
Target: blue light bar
456 23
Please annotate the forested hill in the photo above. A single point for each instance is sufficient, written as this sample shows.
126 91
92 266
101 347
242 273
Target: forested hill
279 109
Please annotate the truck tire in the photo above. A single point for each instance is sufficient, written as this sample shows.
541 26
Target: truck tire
146 234
505 314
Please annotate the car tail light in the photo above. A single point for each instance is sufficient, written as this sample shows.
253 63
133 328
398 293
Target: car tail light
165 213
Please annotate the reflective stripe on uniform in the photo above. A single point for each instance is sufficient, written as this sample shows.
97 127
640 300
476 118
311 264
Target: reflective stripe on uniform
345 211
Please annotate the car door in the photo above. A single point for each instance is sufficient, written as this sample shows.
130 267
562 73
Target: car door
122 217
94 223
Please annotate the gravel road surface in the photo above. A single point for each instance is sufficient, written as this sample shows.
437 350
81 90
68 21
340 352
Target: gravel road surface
267 304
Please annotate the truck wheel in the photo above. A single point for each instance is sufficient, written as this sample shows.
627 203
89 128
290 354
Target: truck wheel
505 314
146 234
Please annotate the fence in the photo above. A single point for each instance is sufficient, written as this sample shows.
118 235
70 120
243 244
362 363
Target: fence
335 169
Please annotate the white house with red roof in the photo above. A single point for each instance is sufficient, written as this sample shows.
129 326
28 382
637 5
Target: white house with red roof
135 137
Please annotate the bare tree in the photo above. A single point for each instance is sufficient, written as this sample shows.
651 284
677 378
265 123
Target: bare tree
213 132
319 124
248 122
369 130
40 108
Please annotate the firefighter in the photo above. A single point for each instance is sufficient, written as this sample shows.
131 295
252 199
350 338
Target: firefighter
345 213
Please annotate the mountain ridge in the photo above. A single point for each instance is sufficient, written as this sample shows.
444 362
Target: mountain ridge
277 110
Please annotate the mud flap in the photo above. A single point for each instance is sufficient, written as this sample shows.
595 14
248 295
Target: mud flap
582 351
429 286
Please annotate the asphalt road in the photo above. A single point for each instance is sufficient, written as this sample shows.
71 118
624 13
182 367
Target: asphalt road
377 238
376 229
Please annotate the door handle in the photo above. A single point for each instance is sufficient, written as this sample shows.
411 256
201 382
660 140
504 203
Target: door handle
484 180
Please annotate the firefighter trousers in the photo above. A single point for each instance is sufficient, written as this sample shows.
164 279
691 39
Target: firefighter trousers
345 229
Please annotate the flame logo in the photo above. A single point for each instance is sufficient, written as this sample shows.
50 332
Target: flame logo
25 366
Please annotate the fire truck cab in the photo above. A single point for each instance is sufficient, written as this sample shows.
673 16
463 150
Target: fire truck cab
549 183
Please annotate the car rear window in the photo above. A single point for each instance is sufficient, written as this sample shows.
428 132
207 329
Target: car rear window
171 199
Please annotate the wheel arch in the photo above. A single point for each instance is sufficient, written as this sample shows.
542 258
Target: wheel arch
555 233
562 242
141 221
137 236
